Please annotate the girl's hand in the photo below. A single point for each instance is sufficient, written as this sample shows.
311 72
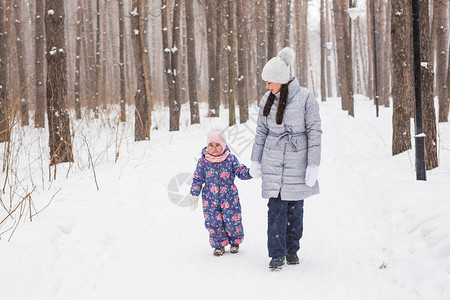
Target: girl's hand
312 172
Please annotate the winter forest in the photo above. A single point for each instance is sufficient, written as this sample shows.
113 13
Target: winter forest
106 103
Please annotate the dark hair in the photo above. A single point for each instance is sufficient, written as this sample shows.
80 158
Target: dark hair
284 91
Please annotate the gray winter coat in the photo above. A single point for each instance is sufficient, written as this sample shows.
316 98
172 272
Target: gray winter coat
285 150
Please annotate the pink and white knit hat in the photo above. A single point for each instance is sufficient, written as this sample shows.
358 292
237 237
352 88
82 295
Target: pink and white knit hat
217 136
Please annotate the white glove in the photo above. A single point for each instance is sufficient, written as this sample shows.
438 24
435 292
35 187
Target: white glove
255 169
312 172
194 202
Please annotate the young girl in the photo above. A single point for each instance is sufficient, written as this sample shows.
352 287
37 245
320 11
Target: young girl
217 169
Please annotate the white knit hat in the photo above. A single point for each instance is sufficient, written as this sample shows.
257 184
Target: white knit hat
278 69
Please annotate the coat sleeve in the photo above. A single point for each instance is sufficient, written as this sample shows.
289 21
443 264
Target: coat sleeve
198 178
262 130
313 130
240 170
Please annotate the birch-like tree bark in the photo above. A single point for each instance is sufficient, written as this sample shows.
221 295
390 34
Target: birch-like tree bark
58 117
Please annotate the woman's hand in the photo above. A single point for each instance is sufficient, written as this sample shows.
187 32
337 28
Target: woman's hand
255 169
312 172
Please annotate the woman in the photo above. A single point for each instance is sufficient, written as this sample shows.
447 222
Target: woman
287 153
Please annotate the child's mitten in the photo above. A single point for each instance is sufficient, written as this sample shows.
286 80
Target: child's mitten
255 169
194 202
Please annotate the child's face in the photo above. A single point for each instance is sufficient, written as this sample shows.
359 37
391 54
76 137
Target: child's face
214 149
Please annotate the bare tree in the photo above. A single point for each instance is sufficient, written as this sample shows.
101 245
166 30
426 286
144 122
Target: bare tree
429 114
261 48
123 117
271 39
323 88
142 122
287 29
401 62
301 16
231 62
442 58
58 117
23 88
39 118
242 77
174 59
213 77
78 61
192 62
4 116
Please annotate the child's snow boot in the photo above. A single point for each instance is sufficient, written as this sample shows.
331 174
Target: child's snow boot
234 249
219 251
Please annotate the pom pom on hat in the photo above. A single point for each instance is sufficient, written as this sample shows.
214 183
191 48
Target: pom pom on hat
216 134
278 69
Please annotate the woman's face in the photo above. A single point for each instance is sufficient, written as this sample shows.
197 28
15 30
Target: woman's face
273 87
214 149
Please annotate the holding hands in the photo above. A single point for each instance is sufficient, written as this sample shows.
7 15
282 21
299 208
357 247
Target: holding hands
255 169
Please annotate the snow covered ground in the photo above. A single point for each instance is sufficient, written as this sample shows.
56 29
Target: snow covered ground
374 232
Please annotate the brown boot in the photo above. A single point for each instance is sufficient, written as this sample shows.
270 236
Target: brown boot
234 249
219 251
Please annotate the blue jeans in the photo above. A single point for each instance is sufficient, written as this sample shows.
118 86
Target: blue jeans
285 226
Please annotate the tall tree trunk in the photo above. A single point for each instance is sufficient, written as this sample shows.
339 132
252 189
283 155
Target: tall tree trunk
192 62
348 57
123 116
231 62
141 124
4 107
91 54
97 63
380 16
369 53
429 114
329 89
322 52
271 38
442 59
39 118
167 54
78 61
213 77
58 117
175 103
261 47
287 29
219 52
341 50
242 77
401 62
301 13
23 88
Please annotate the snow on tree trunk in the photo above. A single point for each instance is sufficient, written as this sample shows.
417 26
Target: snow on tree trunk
58 117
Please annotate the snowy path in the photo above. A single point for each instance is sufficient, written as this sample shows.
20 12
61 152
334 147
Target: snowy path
128 241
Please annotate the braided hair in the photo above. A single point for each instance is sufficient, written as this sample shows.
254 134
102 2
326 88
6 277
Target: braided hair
284 91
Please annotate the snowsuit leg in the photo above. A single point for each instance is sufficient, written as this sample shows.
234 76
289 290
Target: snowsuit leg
233 220
214 224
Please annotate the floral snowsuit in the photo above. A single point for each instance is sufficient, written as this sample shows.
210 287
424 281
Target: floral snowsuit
221 206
